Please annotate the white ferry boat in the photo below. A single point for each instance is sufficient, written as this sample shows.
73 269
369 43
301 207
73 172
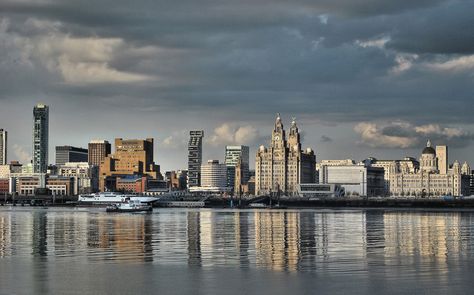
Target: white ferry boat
114 197
129 206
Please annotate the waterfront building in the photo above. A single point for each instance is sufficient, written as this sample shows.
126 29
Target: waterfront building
406 165
27 183
195 157
155 187
52 170
283 165
213 178
240 177
69 154
86 176
131 184
237 155
355 179
3 146
320 191
471 183
98 150
4 186
214 174
40 138
15 167
27 169
465 169
5 171
176 180
345 162
431 179
131 157
249 188
60 185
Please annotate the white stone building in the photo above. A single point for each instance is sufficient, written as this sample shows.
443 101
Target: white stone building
407 165
284 165
356 179
434 178
213 178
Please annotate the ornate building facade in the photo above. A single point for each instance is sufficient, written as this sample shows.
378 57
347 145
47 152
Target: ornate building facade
433 178
284 165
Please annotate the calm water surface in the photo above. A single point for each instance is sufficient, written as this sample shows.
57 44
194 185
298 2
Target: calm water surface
207 251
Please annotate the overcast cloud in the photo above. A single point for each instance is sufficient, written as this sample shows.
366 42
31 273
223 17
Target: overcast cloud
347 70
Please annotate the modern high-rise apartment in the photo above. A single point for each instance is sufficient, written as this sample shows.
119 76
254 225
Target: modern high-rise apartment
195 157
66 154
40 138
233 155
98 150
3 146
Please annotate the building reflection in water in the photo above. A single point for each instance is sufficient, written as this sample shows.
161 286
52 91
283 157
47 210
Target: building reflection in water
435 235
290 240
120 237
374 235
194 238
277 240
242 237
40 233
5 235
424 239
308 246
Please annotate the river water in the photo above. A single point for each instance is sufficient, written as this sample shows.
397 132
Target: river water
211 251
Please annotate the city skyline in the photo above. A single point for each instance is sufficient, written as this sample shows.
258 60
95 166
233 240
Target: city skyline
236 146
365 79
213 148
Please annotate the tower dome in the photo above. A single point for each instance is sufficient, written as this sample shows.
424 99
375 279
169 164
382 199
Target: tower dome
428 160
428 150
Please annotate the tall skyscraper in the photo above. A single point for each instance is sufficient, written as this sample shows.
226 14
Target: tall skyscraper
69 154
3 146
98 150
284 164
234 154
40 138
195 157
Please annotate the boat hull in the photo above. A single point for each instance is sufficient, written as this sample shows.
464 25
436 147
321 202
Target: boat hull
123 210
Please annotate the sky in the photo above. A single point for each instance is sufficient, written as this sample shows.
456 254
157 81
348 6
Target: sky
362 78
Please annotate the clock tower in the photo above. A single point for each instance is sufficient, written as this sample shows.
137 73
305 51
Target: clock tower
294 137
284 165
278 135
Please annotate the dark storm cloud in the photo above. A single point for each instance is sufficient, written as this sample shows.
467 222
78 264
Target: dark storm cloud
444 29
242 61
